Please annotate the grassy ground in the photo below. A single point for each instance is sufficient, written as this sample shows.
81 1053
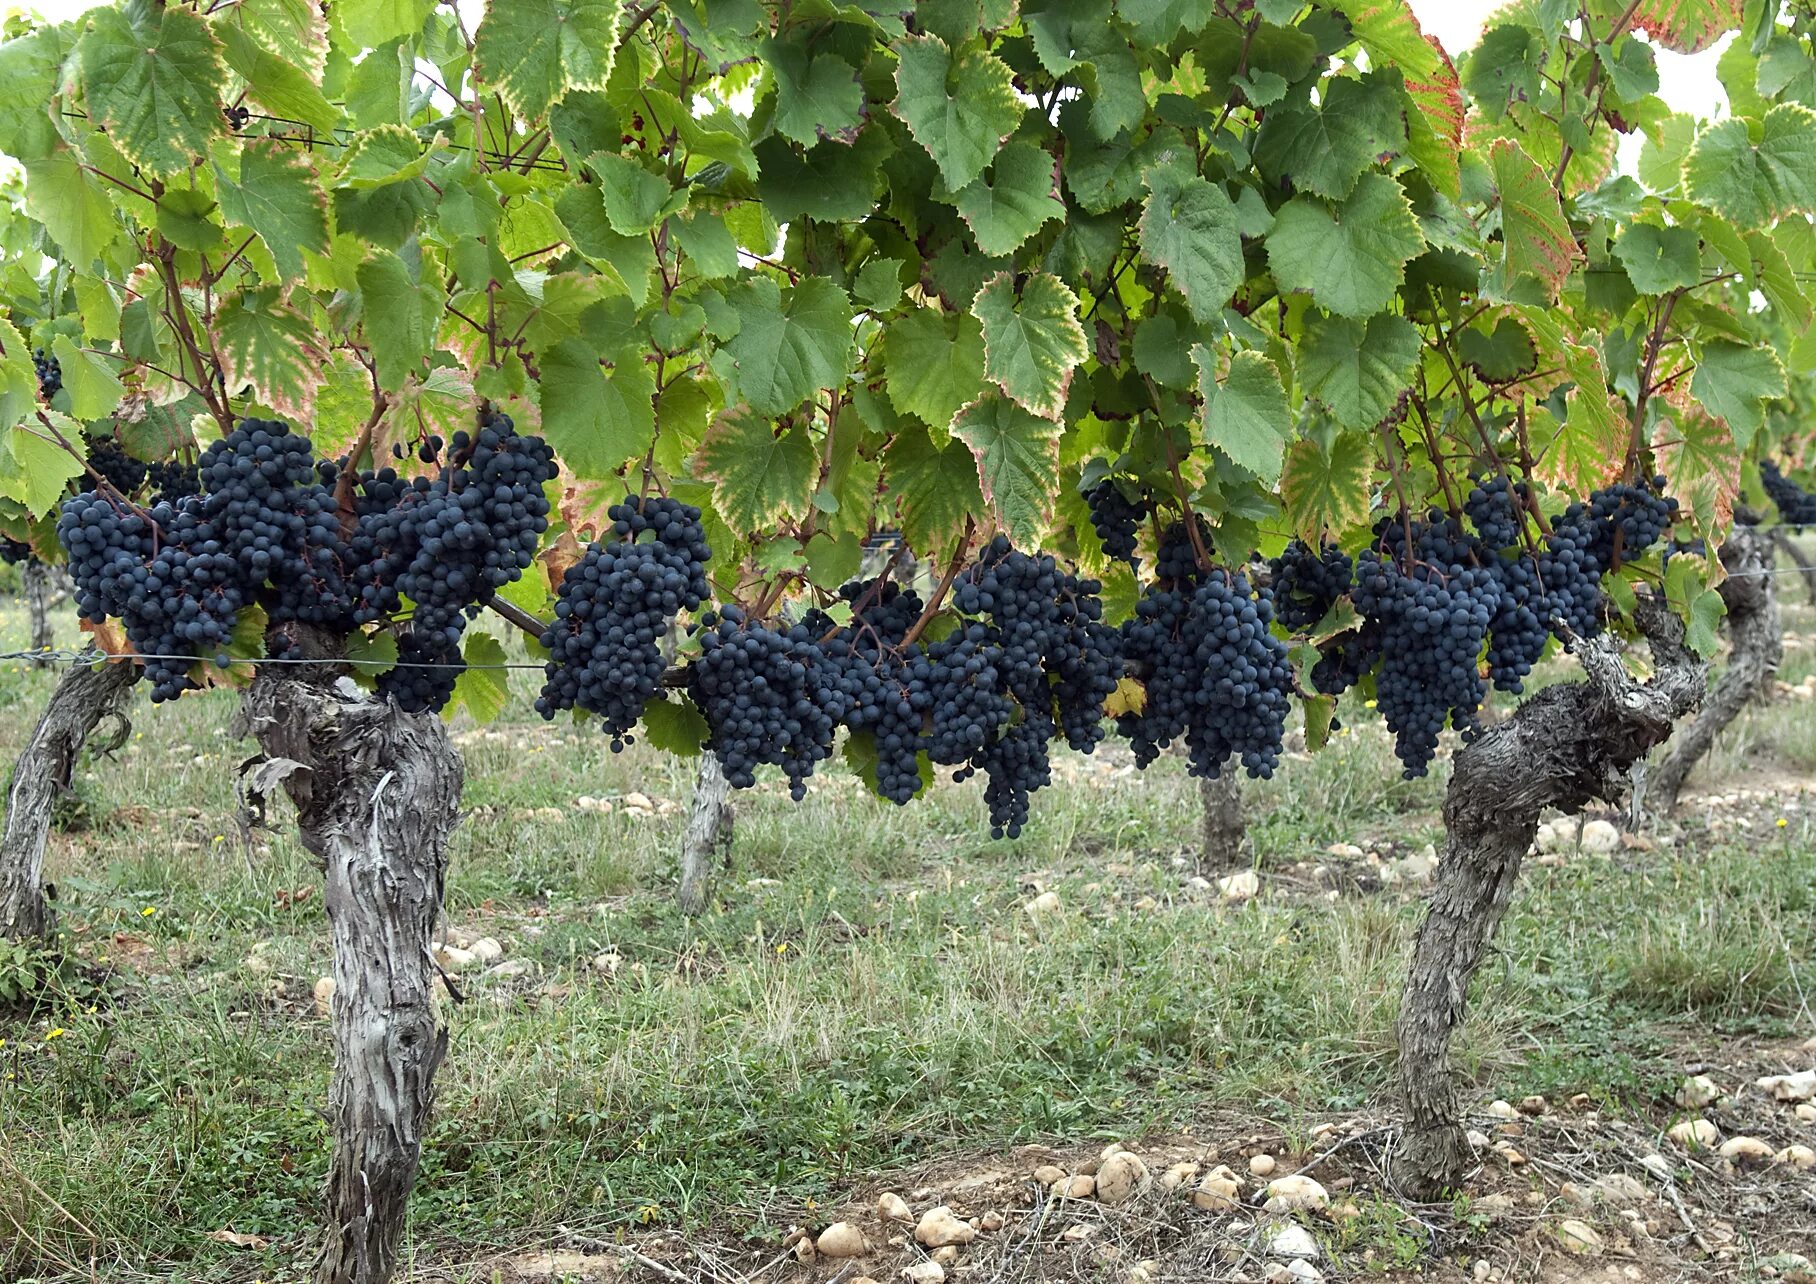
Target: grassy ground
868 994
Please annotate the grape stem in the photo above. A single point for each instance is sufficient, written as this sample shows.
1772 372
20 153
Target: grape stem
343 486
939 594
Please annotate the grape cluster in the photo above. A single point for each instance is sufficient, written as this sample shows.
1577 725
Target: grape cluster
1434 621
763 694
112 465
256 522
449 543
12 552
876 685
50 373
1307 582
173 481
614 607
1116 518
1796 506
1213 672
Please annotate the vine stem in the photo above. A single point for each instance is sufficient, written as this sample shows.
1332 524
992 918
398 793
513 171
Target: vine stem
343 485
939 593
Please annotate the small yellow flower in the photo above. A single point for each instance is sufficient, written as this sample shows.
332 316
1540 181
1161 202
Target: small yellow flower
782 948
148 911
57 1033
1782 822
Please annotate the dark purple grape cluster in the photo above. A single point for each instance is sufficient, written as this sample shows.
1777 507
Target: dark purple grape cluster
877 686
50 373
108 462
763 693
1214 674
14 553
614 607
1116 518
174 480
1796 506
1307 582
256 522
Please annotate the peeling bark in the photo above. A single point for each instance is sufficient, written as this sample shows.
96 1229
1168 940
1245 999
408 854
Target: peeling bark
377 795
37 579
1225 848
83 697
707 839
1756 640
1567 745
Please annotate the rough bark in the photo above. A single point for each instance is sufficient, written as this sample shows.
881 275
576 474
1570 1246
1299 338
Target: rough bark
377 795
1756 641
1225 848
1568 745
37 578
1798 561
707 839
83 697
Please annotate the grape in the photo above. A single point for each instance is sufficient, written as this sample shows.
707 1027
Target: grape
12 552
1306 584
50 373
173 481
875 686
615 605
1796 506
1115 518
1214 675
1176 560
763 694
119 469
422 689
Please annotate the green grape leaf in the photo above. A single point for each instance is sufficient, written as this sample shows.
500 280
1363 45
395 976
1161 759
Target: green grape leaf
1188 226
1778 281
672 724
960 109
293 30
1732 382
72 204
831 182
833 560
483 688
761 471
152 78
98 304
1660 259
1325 491
879 284
935 481
1350 258
1017 455
400 317
1032 340
93 389
708 244
1014 199
1750 183
18 376
185 220
817 98
1324 148
534 51
277 195
280 86
1246 417
789 344
29 68
1682 26
595 423
1503 69
1631 68
1538 240
635 199
268 346
1357 370
1156 22
35 469
368 24
933 364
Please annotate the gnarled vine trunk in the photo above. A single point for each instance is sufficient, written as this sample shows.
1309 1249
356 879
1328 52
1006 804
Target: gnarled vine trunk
1224 848
84 696
1567 745
707 839
37 578
1756 646
377 795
